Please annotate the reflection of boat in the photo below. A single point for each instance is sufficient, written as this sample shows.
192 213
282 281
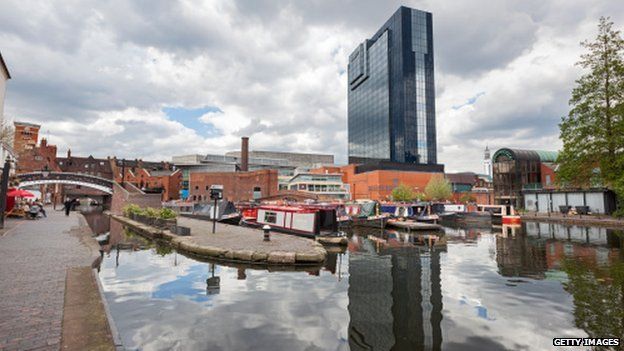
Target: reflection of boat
477 219
413 225
300 220
371 221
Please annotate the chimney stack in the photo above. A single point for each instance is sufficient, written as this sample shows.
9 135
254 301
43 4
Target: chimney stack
244 154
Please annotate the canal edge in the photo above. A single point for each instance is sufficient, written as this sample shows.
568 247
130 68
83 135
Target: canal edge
182 243
111 323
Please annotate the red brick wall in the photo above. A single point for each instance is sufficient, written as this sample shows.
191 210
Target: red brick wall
378 185
122 197
548 170
237 186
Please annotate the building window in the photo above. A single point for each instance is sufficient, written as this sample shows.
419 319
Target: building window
196 187
207 187
270 217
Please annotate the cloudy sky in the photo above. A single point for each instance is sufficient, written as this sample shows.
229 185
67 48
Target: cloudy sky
152 79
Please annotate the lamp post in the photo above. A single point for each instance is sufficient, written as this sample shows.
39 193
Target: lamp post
45 172
4 187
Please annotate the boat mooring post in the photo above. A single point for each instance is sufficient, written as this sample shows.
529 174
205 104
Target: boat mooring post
267 232
214 216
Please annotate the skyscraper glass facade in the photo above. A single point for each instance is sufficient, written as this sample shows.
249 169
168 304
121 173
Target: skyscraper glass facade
391 98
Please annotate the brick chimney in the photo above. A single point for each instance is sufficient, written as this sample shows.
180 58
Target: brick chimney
244 154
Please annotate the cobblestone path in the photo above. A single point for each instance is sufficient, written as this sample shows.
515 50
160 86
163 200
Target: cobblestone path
34 257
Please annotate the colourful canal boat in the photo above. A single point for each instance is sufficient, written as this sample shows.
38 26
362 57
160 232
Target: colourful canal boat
302 220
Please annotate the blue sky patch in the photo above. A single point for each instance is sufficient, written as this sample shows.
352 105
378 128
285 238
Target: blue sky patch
190 118
469 101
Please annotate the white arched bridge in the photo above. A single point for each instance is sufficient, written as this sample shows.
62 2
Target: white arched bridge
43 178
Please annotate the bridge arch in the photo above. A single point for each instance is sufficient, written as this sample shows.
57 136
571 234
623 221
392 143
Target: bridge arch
43 178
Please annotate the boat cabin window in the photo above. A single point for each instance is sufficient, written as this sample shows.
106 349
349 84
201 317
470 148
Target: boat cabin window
270 217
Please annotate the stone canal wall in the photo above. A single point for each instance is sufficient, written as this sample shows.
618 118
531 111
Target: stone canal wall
234 243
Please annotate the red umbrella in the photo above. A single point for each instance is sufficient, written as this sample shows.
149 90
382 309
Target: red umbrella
20 193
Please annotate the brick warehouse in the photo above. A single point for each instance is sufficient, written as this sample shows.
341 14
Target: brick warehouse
237 186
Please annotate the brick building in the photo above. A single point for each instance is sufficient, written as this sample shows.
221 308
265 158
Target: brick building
237 186
151 177
26 136
478 187
378 184
37 159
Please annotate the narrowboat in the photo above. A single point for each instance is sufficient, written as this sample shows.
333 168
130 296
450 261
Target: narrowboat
226 212
501 214
413 225
309 221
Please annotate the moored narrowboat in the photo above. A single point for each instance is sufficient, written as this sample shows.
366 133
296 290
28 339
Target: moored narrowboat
301 220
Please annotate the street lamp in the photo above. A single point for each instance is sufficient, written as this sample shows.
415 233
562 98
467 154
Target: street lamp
45 172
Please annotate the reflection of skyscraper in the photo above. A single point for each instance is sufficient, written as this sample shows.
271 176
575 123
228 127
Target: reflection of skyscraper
370 302
395 300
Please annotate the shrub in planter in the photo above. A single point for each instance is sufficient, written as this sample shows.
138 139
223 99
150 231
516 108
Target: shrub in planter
131 209
167 213
151 212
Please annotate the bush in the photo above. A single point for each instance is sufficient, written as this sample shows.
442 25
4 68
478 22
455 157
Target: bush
151 212
131 209
403 193
167 213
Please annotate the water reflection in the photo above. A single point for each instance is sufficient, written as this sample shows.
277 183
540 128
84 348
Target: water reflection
463 289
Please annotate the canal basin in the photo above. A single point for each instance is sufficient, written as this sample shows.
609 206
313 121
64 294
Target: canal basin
501 288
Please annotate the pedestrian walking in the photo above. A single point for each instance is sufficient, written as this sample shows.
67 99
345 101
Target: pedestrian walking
68 205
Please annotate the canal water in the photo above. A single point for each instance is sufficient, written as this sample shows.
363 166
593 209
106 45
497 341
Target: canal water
475 289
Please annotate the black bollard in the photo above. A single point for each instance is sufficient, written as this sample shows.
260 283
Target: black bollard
267 231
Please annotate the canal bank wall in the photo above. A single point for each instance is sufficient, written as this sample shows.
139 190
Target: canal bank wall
234 244
579 220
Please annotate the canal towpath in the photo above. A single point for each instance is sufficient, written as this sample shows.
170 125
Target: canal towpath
42 263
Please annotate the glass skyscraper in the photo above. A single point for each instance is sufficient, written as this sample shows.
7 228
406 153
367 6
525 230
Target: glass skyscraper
391 98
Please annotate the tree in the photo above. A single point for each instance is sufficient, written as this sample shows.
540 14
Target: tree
7 133
593 131
439 189
403 193
467 197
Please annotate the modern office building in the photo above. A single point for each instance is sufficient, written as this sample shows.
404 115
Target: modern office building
517 170
391 95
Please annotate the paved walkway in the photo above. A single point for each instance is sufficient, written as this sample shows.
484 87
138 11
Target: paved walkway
34 257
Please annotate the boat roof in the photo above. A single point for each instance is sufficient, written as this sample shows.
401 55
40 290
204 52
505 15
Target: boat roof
287 208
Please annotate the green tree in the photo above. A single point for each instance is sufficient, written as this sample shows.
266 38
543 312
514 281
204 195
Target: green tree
403 193
593 131
438 188
467 197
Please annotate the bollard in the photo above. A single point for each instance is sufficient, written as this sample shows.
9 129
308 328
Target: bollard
267 235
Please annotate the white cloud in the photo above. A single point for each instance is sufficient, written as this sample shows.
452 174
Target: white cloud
97 75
